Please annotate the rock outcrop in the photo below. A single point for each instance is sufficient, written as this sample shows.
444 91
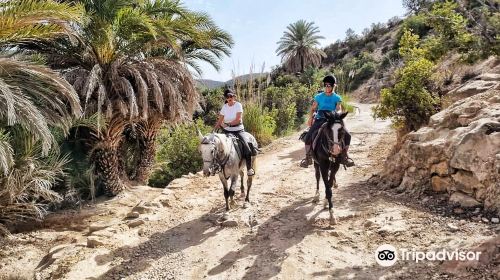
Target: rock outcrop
458 152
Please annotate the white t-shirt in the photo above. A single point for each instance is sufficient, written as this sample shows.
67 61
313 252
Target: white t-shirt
229 113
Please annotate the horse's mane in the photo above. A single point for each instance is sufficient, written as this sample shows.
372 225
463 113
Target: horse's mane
219 139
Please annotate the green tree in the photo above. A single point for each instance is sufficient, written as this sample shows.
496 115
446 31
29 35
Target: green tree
298 46
34 101
409 103
126 63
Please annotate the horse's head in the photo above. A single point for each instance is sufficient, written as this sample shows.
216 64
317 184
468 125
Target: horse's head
210 147
336 123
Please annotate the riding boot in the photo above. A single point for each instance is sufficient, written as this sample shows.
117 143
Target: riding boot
250 170
345 159
308 159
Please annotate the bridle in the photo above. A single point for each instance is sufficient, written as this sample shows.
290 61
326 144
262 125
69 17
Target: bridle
331 142
216 164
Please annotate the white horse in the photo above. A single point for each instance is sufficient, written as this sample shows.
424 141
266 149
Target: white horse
221 155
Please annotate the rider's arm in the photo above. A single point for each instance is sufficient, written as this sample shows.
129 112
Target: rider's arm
311 112
219 121
339 106
237 120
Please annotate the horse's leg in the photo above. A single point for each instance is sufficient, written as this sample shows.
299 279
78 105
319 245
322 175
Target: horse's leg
226 190
242 186
333 171
318 176
249 184
234 179
324 168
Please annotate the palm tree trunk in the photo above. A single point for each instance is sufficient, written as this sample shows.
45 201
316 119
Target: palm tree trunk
146 159
301 64
107 167
147 149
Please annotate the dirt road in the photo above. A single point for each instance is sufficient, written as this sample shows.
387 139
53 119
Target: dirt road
283 235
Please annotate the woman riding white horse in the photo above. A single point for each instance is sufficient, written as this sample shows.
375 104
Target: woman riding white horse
231 121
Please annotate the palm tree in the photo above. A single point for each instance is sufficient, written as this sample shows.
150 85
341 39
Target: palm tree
298 46
216 43
34 101
120 63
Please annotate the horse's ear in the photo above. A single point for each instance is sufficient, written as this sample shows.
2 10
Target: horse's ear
342 116
200 136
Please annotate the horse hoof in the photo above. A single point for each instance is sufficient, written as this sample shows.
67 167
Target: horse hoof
335 185
246 205
333 219
315 200
225 217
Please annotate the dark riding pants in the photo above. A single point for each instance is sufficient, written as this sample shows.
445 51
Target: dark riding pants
247 153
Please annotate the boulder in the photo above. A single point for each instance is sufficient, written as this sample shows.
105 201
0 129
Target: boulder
459 152
490 77
441 169
135 223
463 200
470 89
230 223
465 182
440 184
133 215
98 226
142 209
94 241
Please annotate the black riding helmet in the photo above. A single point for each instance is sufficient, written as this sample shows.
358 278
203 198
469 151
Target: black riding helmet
229 92
329 79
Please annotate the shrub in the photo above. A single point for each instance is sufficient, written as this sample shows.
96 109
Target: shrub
27 177
177 153
211 104
285 80
303 100
370 46
409 103
281 102
259 122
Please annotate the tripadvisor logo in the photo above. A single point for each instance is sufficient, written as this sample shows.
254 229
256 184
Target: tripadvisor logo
387 255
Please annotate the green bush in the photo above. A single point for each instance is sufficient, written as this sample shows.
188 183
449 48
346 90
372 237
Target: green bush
346 103
212 100
259 122
285 80
177 153
281 102
371 46
417 24
409 103
303 100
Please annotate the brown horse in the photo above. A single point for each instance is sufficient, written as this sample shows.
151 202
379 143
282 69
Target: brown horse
326 151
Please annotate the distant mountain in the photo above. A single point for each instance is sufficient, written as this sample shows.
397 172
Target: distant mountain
246 77
211 84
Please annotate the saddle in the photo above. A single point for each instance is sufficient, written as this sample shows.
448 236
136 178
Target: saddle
238 145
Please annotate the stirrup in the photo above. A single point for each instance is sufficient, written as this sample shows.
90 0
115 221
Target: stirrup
305 162
348 162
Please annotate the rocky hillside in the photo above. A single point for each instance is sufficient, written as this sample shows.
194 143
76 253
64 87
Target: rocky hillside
458 153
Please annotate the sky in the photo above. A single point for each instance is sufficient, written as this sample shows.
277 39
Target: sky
257 26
